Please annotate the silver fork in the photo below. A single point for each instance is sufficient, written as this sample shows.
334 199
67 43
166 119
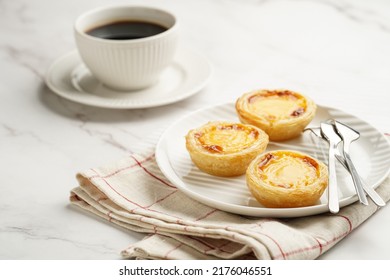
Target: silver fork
370 191
330 135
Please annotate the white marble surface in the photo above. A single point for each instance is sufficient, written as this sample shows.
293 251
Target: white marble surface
337 52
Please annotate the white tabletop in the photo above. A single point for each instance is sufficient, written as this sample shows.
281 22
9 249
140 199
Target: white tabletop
337 52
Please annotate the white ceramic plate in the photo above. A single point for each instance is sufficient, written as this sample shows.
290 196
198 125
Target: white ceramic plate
370 153
70 78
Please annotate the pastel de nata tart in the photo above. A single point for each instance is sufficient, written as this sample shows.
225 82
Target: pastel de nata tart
225 148
282 114
284 179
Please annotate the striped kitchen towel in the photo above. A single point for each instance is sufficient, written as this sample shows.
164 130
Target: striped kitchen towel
134 194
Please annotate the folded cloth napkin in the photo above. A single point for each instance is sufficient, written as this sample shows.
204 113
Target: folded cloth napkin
134 194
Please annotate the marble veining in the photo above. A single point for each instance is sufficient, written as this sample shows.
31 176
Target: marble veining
29 234
363 15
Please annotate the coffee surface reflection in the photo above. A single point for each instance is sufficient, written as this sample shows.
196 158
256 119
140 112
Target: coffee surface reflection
126 30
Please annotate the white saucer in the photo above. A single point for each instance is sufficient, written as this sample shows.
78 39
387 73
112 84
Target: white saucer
70 78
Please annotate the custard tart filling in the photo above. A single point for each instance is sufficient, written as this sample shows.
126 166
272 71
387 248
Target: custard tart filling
227 138
225 148
288 170
282 114
277 105
286 178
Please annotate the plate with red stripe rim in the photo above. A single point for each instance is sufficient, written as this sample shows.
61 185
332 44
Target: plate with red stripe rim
370 153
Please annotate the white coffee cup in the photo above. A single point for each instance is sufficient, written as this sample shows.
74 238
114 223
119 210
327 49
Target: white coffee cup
128 64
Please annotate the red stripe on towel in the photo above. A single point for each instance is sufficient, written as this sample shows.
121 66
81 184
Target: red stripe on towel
206 215
161 199
151 174
210 246
170 251
132 202
121 169
319 245
293 252
348 220
282 253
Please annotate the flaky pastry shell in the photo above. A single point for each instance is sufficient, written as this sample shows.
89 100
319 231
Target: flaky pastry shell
225 148
284 179
282 114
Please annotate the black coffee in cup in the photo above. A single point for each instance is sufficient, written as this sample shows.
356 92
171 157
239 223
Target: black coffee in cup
126 30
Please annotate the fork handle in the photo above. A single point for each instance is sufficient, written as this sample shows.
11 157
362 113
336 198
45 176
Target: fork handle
374 195
356 180
333 198
368 189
